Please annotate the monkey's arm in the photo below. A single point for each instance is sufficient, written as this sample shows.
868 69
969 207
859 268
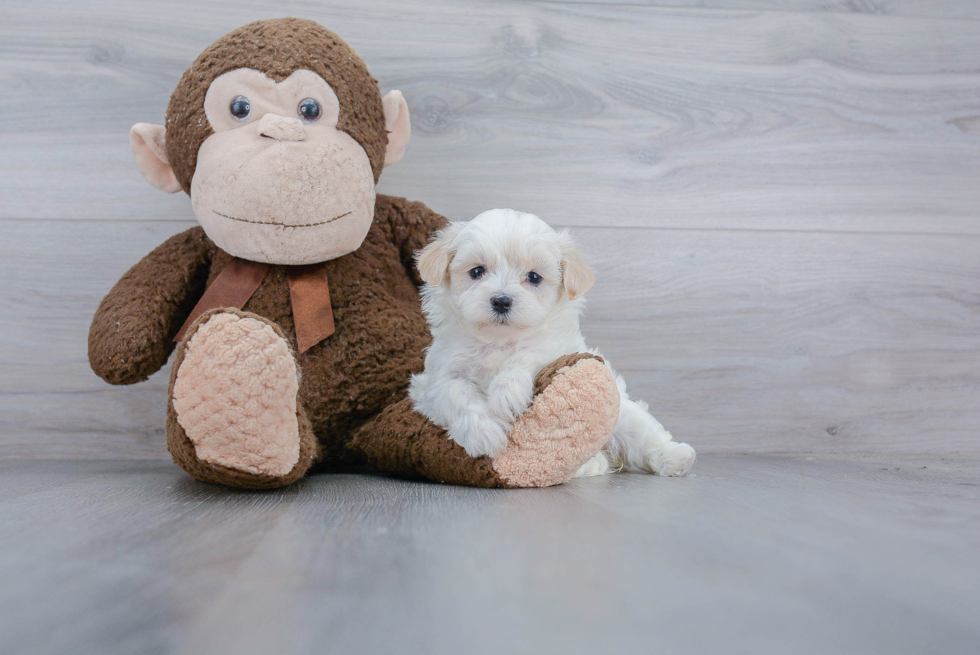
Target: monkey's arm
133 329
409 225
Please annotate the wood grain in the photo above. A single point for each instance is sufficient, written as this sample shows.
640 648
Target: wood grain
741 341
600 115
752 554
908 8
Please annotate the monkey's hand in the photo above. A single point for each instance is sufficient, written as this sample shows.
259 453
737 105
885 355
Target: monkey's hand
133 329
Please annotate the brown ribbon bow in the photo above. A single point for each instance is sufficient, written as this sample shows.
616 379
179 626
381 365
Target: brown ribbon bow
308 293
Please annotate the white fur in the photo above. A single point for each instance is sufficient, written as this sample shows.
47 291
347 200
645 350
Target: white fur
479 371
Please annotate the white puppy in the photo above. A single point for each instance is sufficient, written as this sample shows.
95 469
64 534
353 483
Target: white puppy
503 296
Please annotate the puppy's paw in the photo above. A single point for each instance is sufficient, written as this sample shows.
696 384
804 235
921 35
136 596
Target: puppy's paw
675 461
598 465
480 433
510 394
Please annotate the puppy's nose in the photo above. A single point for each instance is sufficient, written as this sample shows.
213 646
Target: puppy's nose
281 128
501 304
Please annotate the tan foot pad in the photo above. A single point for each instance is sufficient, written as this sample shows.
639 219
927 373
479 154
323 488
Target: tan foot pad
235 396
566 425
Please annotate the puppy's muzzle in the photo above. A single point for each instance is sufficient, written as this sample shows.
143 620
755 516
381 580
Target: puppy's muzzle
501 304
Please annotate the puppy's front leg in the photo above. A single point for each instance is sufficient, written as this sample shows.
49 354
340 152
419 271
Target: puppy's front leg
511 391
469 420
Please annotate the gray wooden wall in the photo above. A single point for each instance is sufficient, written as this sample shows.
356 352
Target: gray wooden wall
782 199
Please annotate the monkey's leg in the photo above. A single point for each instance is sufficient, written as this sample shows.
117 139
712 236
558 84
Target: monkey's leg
573 414
234 417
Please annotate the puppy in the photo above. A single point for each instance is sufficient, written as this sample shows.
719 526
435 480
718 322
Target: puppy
503 297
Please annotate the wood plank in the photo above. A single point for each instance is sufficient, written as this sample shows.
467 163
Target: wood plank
600 115
819 555
741 341
779 341
910 8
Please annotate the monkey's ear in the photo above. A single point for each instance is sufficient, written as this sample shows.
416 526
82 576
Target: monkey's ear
398 126
150 150
433 260
576 276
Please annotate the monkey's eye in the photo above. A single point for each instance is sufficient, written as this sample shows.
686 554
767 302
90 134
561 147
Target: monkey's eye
240 108
309 110
477 272
534 278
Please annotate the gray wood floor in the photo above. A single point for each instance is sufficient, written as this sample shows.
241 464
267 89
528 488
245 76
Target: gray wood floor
752 554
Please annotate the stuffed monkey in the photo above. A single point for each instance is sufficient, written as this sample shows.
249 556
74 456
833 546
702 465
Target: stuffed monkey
294 305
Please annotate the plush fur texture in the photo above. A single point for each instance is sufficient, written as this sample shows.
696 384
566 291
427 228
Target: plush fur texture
132 332
503 299
185 452
563 426
402 442
235 395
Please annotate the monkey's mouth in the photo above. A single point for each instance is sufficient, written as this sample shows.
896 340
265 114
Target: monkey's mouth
245 220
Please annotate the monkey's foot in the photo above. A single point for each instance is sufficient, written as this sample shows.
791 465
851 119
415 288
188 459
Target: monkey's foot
234 416
575 409
573 414
572 417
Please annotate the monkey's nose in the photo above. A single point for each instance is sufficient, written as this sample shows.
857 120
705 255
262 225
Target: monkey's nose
282 128
501 304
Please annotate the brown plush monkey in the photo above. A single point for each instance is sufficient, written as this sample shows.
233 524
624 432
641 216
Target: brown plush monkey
294 305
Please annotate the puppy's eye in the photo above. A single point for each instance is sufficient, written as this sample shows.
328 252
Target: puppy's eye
477 272
240 108
309 110
534 278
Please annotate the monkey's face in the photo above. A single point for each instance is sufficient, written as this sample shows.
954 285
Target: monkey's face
277 182
280 151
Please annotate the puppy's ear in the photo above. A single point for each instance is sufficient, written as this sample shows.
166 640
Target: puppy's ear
433 260
576 276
